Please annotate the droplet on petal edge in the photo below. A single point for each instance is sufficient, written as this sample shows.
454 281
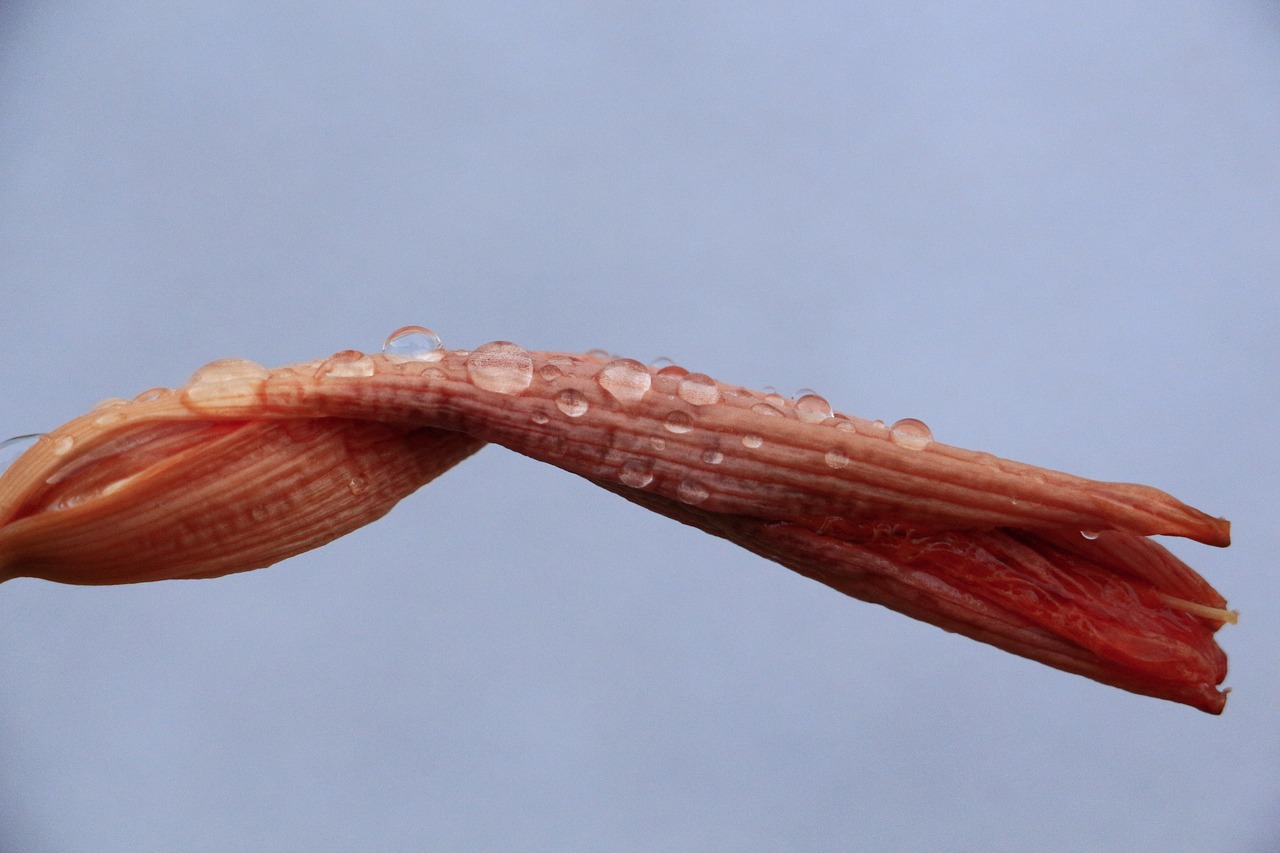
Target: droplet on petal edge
698 389
12 448
813 407
62 445
348 363
572 403
413 343
692 492
636 473
911 434
625 379
501 367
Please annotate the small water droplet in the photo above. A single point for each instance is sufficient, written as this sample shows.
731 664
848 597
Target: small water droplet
657 442
813 407
413 343
358 486
911 434
626 379
673 371
539 418
698 389
636 473
572 403
692 492
712 457
836 458
550 372
1090 534
767 410
12 448
348 363
752 440
62 445
678 422
111 409
501 367
152 394
842 422
598 354
228 370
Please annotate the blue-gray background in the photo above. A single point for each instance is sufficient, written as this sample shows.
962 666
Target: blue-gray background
1049 230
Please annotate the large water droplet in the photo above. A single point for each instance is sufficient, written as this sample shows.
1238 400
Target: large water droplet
836 458
501 367
752 440
911 434
348 363
813 407
12 448
678 422
626 379
413 343
572 403
636 473
698 389
692 492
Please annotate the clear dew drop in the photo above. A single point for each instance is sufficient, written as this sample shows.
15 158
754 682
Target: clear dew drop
539 418
911 434
752 441
12 448
348 363
692 492
1090 534
625 379
501 367
227 370
712 457
152 394
767 410
813 407
698 389
636 474
678 422
63 444
836 458
358 486
550 372
413 343
572 403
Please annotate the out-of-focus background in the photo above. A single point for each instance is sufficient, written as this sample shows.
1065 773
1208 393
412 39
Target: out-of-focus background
1051 231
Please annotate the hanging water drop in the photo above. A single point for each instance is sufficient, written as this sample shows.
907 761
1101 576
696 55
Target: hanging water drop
692 492
911 434
572 403
501 367
625 379
413 343
636 473
698 389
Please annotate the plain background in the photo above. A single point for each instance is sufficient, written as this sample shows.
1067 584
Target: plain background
1049 230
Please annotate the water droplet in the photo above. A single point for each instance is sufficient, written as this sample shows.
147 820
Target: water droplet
767 410
673 371
501 367
152 394
62 445
1090 534
752 440
692 492
550 372
358 486
228 370
836 458
348 363
12 448
636 473
712 457
539 418
602 354
813 407
657 442
842 422
413 343
911 434
259 512
698 389
111 411
626 379
572 403
678 422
